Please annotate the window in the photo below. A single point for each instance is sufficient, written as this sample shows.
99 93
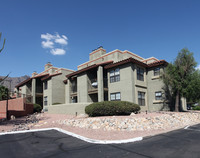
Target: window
158 95
141 98
45 85
140 74
114 75
45 100
157 71
115 96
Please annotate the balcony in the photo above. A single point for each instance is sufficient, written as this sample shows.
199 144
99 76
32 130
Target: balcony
74 88
93 86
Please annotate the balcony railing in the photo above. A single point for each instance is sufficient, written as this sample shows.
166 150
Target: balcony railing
93 84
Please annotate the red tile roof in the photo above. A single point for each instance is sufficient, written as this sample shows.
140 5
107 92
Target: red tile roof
22 83
49 76
157 63
129 60
132 60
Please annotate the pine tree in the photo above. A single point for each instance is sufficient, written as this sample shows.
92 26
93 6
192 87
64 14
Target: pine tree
178 75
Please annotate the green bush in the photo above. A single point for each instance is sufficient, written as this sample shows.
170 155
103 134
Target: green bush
37 108
56 103
196 108
110 108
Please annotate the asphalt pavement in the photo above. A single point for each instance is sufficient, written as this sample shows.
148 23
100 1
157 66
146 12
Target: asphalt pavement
183 143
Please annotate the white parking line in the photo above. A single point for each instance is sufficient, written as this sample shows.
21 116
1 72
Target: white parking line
78 136
188 128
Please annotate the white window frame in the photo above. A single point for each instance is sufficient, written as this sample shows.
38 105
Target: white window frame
140 74
115 75
45 100
115 96
157 71
158 95
141 98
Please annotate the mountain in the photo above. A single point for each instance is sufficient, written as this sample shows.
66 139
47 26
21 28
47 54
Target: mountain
11 82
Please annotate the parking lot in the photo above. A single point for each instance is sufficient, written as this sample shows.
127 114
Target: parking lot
52 143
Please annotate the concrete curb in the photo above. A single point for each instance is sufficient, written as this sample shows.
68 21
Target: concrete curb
78 136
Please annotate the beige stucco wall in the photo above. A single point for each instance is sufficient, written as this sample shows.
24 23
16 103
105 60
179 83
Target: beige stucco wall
70 109
97 54
140 86
23 90
155 84
48 92
125 85
115 57
82 88
129 86
67 92
56 89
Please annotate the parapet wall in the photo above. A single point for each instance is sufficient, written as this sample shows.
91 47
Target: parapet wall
17 107
69 109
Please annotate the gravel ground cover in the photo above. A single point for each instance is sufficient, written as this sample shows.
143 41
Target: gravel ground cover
106 128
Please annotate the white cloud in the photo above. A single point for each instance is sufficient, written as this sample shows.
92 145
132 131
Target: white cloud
61 41
58 51
198 67
64 37
47 44
47 36
55 43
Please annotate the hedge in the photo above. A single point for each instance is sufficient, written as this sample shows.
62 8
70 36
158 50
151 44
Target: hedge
110 108
37 108
56 103
196 108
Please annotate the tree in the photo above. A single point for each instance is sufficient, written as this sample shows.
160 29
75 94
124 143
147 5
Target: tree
3 79
4 41
193 89
178 75
3 93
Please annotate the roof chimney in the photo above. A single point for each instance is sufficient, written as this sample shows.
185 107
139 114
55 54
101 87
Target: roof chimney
34 74
96 53
47 66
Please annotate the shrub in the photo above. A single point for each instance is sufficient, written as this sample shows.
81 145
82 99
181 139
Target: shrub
56 103
196 108
110 108
37 108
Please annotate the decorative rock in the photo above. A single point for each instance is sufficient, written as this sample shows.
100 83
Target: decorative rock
132 114
12 117
164 121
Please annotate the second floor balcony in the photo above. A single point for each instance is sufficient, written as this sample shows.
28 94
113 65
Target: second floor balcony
93 85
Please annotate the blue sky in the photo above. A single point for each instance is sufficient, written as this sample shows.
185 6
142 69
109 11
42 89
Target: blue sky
36 31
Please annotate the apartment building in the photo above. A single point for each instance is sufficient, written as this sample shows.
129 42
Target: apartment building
45 88
118 75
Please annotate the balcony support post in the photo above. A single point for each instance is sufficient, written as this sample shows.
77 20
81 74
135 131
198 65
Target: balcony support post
100 84
68 91
34 90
